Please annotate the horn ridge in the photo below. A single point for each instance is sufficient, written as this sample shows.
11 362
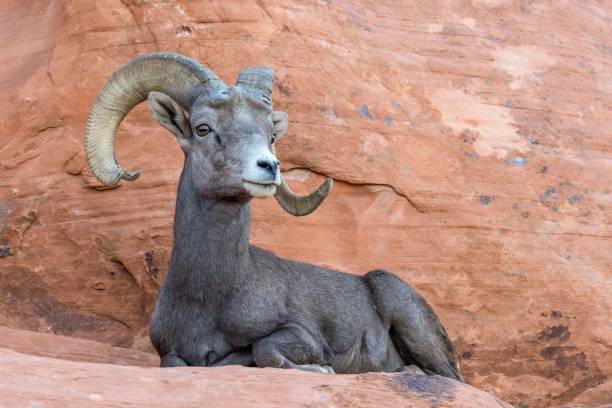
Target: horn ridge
299 205
173 74
258 80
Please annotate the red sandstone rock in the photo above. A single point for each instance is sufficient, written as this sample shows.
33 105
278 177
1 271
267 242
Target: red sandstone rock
470 143
54 382
48 382
73 349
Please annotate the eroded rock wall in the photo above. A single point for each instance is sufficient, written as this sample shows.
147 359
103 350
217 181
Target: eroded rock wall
470 143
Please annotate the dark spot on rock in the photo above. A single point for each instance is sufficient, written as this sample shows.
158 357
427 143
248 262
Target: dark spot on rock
186 29
509 103
550 199
151 268
467 355
388 121
525 214
364 111
398 107
515 206
469 136
5 251
576 198
559 333
472 155
552 352
562 360
543 169
532 140
577 360
605 48
574 369
485 199
99 286
428 386
556 314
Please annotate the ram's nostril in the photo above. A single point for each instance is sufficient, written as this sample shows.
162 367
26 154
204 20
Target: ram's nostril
264 164
270 165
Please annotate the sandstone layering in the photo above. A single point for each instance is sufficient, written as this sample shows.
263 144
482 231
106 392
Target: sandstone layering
470 143
77 373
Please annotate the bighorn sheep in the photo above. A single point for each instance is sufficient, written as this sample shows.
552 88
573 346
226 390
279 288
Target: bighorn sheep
225 301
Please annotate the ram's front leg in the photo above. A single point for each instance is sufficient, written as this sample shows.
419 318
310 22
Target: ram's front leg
172 360
293 347
243 358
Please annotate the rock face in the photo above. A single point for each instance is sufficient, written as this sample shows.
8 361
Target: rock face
73 349
470 143
97 374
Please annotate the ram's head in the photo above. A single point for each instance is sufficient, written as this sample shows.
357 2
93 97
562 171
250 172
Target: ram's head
227 132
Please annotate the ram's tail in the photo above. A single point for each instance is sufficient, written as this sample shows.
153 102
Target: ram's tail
416 331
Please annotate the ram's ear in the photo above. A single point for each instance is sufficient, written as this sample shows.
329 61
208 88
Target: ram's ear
280 121
169 114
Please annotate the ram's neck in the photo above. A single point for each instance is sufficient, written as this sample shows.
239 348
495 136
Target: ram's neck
211 245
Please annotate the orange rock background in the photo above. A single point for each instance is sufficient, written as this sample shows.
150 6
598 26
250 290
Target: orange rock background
470 142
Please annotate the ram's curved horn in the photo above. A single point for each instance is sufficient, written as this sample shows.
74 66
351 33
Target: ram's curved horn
259 81
170 73
301 205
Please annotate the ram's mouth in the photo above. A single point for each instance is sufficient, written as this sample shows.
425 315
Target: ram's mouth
259 189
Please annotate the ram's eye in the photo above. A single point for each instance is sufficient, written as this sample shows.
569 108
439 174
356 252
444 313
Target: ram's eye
203 130
273 138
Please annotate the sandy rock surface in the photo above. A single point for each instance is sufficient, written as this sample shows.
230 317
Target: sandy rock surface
470 142
47 382
72 349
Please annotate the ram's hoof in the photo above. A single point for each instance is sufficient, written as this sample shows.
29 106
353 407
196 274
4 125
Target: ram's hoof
413 369
315 368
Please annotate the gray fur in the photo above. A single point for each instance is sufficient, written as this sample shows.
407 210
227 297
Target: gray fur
225 301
